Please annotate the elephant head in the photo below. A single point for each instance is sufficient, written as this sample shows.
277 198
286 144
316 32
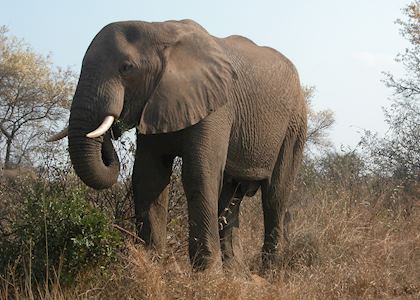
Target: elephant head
160 77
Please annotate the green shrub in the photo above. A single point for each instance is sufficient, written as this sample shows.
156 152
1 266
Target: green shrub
57 233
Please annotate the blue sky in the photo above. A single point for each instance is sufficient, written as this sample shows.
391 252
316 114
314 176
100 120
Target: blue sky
341 47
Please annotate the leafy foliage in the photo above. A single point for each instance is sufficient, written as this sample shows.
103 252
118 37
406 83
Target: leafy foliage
409 85
33 96
319 123
57 232
398 152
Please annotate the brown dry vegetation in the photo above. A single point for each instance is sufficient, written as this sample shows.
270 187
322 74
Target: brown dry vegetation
351 237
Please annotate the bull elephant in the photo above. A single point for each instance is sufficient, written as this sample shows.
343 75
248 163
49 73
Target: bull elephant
233 111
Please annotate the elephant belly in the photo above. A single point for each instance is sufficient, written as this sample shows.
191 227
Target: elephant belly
253 151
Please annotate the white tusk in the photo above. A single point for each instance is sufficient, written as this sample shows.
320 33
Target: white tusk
106 124
58 136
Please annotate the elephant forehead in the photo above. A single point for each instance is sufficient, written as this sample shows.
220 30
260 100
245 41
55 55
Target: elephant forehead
116 43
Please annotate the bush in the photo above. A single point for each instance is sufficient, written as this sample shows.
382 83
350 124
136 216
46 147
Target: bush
55 232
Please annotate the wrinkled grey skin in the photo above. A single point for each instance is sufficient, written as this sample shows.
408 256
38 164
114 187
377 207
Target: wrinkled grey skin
232 110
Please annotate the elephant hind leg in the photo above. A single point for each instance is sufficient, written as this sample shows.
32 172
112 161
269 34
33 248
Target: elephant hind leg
229 203
275 197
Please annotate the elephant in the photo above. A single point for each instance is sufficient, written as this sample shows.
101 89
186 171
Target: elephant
232 110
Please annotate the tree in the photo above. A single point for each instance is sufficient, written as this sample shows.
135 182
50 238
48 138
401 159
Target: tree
398 152
408 86
34 95
319 122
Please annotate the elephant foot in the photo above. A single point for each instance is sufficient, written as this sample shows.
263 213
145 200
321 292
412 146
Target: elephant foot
275 244
204 258
269 261
153 243
207 264
232 252
270 258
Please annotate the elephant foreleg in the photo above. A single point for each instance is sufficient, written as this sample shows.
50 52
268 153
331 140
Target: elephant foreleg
202 195
202 177
151 176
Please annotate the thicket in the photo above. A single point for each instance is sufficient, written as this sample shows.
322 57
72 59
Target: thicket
52 233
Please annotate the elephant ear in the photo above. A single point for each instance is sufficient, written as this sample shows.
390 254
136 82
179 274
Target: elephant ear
196 78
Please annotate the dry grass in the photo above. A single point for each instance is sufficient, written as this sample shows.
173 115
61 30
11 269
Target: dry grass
342 247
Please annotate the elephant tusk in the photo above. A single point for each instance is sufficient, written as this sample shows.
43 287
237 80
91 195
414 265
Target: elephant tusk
106 124
58 136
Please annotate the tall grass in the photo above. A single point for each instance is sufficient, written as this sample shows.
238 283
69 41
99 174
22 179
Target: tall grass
352 237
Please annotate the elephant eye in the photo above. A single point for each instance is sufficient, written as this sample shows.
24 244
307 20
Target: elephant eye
126 68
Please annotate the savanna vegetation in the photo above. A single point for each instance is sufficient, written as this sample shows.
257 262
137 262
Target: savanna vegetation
355 230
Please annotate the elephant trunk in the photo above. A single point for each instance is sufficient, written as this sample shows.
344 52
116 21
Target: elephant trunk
94 159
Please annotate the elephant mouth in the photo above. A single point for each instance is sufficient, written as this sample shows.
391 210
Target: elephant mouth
117 129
